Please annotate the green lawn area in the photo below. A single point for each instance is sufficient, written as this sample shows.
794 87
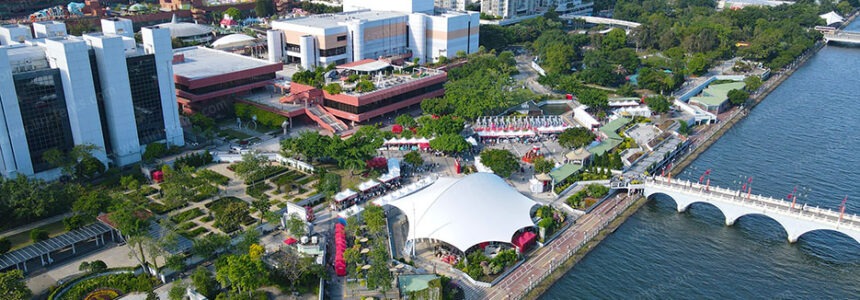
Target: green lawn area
233 134
347 179
22 239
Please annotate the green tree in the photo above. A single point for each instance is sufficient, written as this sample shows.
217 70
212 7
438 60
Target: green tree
575 137
436 106
615 39
262 206
296 226
365 86
177 291
406 121
229 218
502 162
329 183
752 83
233 12
204 283
250 167
13 287
542 165
210 245
242 273
683 127
333 88
844 7
738 97
97 266
593 98
374 218
378 276
263 8
38 235
659 104
352 256
413 158
450 143
698 64
154 151
179 186
310 145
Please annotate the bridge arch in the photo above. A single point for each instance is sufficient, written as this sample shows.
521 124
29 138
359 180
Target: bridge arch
854 237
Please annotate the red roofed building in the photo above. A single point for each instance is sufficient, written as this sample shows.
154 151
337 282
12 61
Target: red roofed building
392 91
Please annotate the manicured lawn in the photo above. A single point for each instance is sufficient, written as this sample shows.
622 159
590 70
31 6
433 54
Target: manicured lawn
234 134
22 239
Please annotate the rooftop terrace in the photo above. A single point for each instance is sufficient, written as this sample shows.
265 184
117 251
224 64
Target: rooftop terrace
716 94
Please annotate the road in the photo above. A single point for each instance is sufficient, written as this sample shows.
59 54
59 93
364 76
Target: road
529 76
546 259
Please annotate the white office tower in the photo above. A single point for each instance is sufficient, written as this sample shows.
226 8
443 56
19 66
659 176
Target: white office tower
100 89
14 34
71 57
118 26
49 29
110 57
458 5
156 41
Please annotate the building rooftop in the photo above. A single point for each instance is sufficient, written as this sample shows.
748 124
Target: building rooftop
563 172
201 62
335 20
382 81
716 94
182 29
366 65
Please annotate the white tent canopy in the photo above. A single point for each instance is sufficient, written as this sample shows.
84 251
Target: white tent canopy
344 195
364 186
467 211
832 18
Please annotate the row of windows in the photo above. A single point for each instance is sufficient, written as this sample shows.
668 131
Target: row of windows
384 102
226 85
146 98
43 111
332 52
293 48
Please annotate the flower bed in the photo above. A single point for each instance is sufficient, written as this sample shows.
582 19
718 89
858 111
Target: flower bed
103 294
186 215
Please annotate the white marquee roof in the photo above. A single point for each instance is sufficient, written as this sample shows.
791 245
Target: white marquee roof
466 211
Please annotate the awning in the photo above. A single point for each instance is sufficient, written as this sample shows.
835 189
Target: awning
523 240
367 185
345 195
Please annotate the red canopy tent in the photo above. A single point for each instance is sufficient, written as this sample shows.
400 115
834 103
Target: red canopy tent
397 129
523 240
340 246
290 241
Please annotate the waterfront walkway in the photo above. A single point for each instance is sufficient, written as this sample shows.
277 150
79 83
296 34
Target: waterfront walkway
545 260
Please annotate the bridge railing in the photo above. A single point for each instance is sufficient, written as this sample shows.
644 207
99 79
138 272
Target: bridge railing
758 201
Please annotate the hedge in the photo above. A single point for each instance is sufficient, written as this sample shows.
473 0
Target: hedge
265 118
186 215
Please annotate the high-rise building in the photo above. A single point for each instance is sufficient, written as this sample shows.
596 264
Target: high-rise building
374 29
99 89
507 9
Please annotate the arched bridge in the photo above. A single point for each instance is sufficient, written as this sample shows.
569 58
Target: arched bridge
733 204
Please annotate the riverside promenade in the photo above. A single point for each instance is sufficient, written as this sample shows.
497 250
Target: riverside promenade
554 256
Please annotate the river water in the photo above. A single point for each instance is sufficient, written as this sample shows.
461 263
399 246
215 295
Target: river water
803 134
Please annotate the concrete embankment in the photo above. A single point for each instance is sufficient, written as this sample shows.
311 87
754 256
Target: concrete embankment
568 264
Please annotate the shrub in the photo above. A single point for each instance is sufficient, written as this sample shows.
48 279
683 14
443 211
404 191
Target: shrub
213 177
38 235
264 118
195 160
186 215
333 88
5 245
121 283
258 190
155 150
